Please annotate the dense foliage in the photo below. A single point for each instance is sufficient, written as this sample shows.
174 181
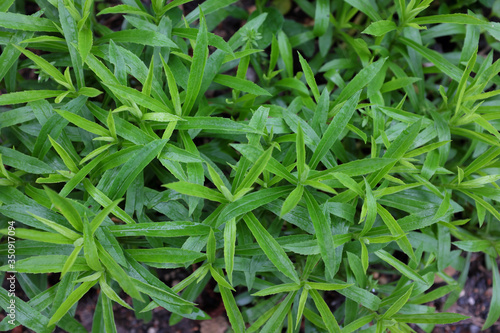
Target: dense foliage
308 151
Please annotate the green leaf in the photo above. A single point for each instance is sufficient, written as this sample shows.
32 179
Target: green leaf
215 125
66 208
118 274
206 7
39 236
398 83
221 281
276 321
398 304
46 67
233 313
282 288
369 211
80 176
271 248
396 230
46 264
494 311
66 232
196 190
104 201
253 153
160 229
237 83
83 123
26 313
367 8
321 18
229 247
136 36
286 52
380 28
436 58
335 129
125 9
65 156
292 200
365 76
361 296
402 268
131 169
397 150
250 202
163 295
327 315
68 17
348 182
6 5
200 54
307 69
26 23
165 255
85 41
302 303
449 18
24 162
473 245
140 98
172 88
68 265
211 247
255 171
430 318
327 286
28 96
89 247
323 232
358 323
73 298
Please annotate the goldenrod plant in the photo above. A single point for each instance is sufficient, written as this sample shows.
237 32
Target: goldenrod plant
320 146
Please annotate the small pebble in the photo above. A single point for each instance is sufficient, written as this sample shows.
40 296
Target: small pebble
474 329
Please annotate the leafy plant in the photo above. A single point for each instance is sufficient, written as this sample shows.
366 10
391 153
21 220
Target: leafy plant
355 150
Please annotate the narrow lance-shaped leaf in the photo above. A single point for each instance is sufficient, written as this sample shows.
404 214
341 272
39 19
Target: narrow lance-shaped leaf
276 320
255 170
327 315
334 130
132 168
398 304
229 247
323 232
494 311
365 76
292 200
271 248
309 73
74 297
402 268
233 313
46 67
196 190
89 247
66 208
200 54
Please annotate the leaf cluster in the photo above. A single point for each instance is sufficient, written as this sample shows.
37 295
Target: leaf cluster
290 162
